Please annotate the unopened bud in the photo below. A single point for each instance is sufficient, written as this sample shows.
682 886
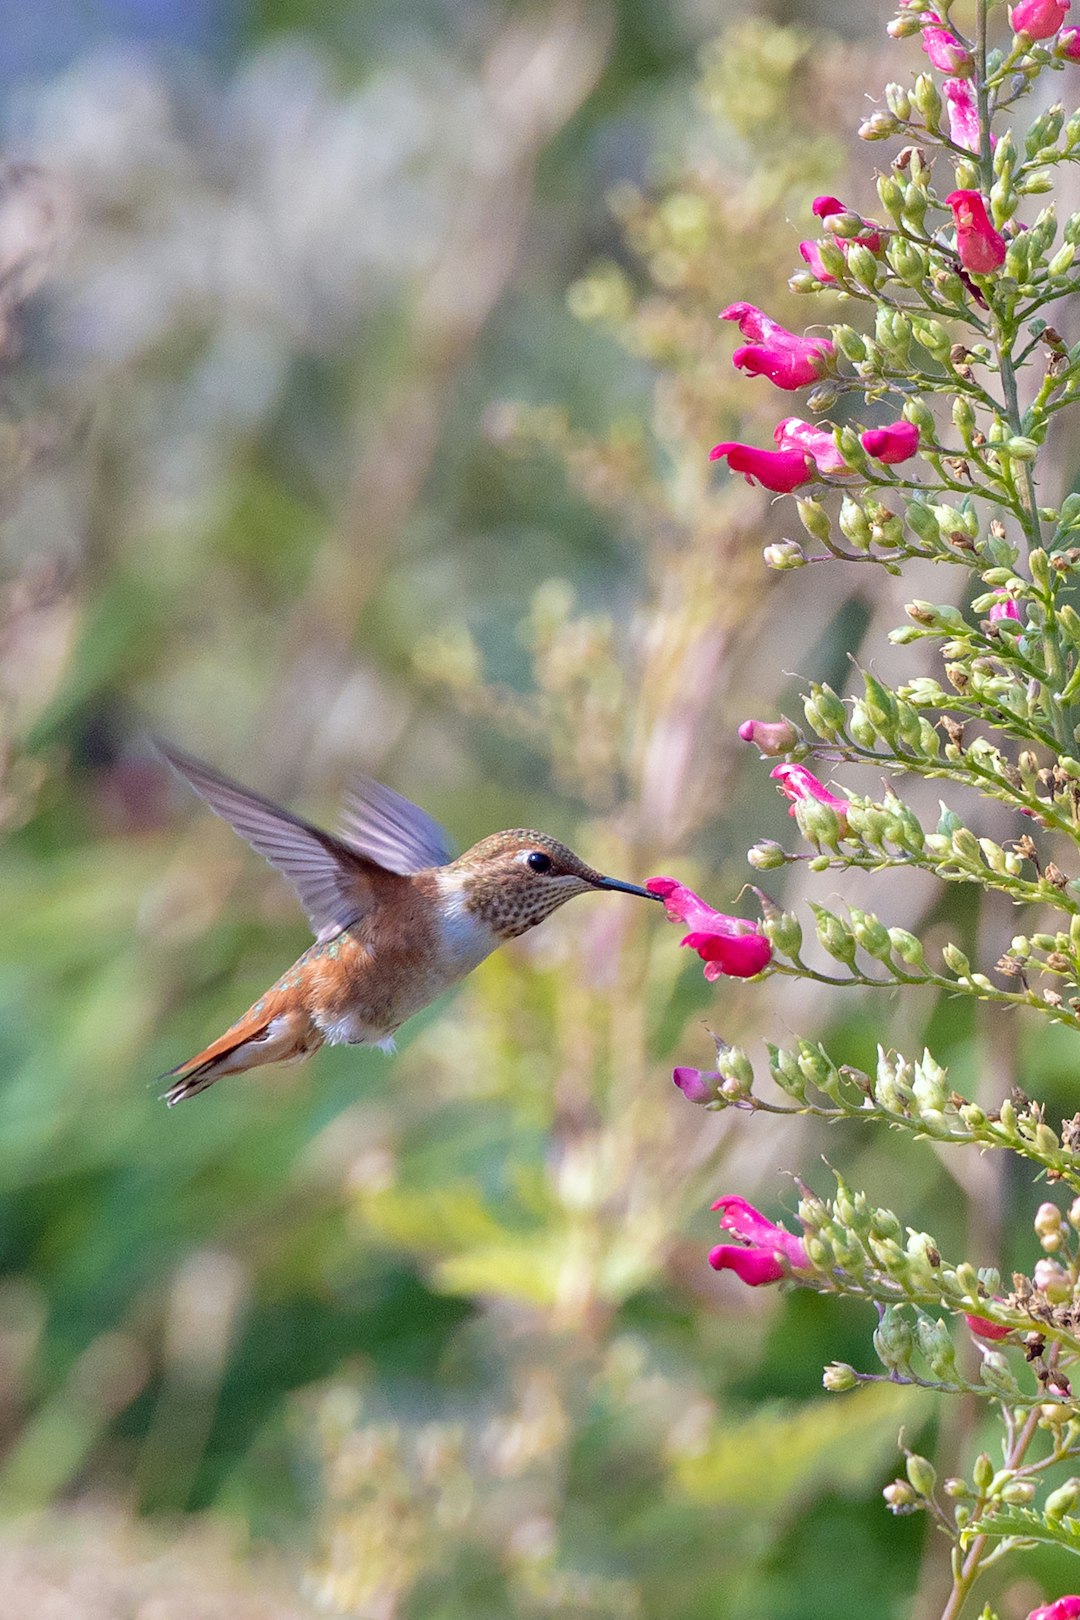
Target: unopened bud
770 736
839 1377
922 1474
766 855
784 554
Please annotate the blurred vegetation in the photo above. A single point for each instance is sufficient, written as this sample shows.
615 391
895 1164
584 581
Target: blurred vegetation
357 395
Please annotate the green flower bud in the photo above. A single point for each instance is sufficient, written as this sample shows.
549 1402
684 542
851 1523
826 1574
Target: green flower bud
1062 1501
956 961
955 1488
921 1473
878 127
736 1068
997 1375
766 855
928 101
784 554
854 525
1062 259
880 705
784 931
964 420
935 1342
872 935
851 344
933 337
1019 448
863 266
836 939
1018 1492
982 1473
838 1377
860 725
908 261
906 947
814 519
830 711
893 1340
889 188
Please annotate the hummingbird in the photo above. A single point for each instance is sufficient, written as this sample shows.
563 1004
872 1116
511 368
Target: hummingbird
397 920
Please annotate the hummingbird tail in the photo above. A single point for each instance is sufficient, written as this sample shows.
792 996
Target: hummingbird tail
287 1038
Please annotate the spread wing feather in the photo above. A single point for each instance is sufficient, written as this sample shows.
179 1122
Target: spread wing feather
390 829
332 880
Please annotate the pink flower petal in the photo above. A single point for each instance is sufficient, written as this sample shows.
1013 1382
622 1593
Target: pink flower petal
779 470
896 441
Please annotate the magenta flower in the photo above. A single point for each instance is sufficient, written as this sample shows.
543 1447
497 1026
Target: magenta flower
697 1085
896 441
765 1253
1004 608
770 736
729 946
1038 19
945 51
787 360
800 784
980 247
963 110
985 1329
818 443
1068 45
812 254
824 207
778 470
1063 1608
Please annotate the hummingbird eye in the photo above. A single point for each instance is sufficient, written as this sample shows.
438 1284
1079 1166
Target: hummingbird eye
538 861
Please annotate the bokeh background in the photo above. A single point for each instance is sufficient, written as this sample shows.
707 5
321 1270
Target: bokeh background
359 368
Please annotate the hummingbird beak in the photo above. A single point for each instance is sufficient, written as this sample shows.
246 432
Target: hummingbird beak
624 888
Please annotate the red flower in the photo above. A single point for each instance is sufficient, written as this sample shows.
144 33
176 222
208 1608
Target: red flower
945 51
778 470
787 360
985 1328
1063 1608
980 247
765 1252
896 441
729 946
799 784
1038 19
1068 45
818 443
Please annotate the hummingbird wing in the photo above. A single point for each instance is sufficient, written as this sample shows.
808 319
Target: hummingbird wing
391 830
333 882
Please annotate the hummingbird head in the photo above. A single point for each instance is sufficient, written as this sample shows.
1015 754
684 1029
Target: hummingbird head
513 880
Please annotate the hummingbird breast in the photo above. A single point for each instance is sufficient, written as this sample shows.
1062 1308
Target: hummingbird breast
360 986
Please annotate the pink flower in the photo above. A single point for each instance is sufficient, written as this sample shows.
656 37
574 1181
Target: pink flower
771 736
799 784
778 470
729 946
1038 19
1068 45
787 360
985 1328
765 1252
980 247
697 1085
896 441
824 208
945 51
818 443
963 113
1063 1608
1004 608
812 254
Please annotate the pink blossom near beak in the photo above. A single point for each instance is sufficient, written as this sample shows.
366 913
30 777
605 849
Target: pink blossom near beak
778 470
730 947
945 51
1038 19
818 443
980 247
896 441
765 1253
786 359
1062 1608
798 783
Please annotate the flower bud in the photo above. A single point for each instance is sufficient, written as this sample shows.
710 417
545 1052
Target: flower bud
834 936
893 1340
878 127
1053 1280
899 1497
928 101
922 1474
770 736
784 931
906 947
1062 1501
766 855
830 715
784 554
956 961
997 1375
1048 1226
839 1377
1018 1492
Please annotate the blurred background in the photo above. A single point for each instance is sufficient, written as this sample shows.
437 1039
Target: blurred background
359 368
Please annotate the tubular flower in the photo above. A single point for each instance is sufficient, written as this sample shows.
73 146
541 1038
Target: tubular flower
787 360
1068 45
980 247
1004 608
1038 19
697 1085
765 1253
825 208
818 443
812 254
963 112
1063 1608
778 470
770 736
986 1329
945 51
896 441
730 947
798 784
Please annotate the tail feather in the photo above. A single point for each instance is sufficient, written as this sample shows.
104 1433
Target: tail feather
252 1042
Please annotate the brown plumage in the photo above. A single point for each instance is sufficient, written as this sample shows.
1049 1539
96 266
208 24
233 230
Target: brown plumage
396 920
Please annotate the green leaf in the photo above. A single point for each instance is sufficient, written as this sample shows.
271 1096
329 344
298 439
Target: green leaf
1028 1525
